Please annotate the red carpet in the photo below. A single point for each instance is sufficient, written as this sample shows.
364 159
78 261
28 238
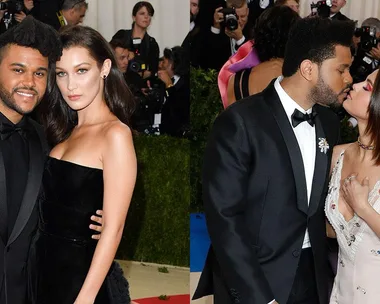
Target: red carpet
178 299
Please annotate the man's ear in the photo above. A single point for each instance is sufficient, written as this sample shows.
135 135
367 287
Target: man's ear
309 70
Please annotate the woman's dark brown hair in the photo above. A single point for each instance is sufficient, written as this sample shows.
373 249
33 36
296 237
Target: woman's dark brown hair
373 125
57 117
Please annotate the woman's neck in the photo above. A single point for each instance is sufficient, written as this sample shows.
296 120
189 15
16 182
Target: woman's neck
138 32
364 142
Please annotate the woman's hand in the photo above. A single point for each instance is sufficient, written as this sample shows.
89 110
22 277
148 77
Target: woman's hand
356 194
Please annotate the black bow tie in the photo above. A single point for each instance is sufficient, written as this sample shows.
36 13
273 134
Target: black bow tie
298 117
6 130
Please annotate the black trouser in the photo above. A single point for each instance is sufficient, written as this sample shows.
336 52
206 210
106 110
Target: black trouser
304 289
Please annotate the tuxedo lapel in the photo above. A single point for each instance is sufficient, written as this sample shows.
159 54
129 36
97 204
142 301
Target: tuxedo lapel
290 140
320 168
3 201
36 165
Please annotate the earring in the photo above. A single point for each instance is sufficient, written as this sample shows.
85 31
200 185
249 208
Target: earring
104 77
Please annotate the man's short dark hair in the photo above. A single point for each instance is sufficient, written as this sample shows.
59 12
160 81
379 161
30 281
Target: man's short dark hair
69 4
272 31
33 34
124 44
315 39
179 59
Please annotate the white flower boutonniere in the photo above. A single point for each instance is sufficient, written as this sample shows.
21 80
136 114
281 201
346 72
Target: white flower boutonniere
323 145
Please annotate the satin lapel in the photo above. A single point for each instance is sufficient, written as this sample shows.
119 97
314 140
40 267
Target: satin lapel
290 139
36 165
320 169
3 201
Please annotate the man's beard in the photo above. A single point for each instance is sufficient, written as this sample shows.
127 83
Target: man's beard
9 101
192 17
325 96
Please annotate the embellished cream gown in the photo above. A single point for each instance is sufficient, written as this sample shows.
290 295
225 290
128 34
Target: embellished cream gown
358 276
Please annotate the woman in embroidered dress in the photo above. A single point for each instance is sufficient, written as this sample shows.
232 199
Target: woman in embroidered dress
353 201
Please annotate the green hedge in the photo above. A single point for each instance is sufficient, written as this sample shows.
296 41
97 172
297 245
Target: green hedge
157 226
205 106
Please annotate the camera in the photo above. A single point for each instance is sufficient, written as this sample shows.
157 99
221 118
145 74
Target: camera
12 6
321 8
368 38
137 64
230 18
149 103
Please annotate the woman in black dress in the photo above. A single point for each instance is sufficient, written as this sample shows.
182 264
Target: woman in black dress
92 166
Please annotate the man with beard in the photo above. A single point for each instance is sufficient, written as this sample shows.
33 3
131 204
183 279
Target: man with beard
27 53
265 174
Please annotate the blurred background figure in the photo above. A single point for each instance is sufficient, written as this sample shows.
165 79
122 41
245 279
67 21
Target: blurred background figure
58 13
293 4
269 41
13 12
174 73
145 47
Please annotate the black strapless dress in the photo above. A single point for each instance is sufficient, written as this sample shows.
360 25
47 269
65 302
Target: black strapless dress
62 250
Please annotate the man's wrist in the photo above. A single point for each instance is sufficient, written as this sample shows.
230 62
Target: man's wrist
240 41
215 30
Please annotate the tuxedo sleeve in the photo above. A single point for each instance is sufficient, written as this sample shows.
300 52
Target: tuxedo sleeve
226 169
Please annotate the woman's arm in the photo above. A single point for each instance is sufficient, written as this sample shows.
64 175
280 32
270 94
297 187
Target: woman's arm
231 90
119 173
330 231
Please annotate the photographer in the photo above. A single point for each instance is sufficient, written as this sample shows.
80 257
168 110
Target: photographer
58 13
147 50
367 53
13 12
336 6
174 72
229 31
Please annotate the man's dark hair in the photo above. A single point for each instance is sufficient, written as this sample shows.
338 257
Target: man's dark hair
177 56
69 4
272 31
142 4
124 44
315 39
33 34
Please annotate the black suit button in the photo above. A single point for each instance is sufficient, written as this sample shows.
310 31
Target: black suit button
296 253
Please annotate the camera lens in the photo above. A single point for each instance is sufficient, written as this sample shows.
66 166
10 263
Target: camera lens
231 22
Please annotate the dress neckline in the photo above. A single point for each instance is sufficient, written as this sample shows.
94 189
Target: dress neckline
73 164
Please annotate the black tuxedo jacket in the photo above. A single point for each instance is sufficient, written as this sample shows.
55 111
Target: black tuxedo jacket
176 110
46 12
14 254
255 200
